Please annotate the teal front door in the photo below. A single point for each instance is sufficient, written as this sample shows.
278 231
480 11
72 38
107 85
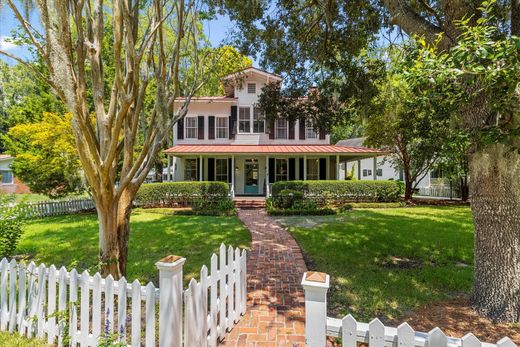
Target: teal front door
251 176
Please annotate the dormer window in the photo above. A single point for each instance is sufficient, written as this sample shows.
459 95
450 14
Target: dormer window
251 88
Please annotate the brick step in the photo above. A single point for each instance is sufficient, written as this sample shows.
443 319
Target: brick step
250 204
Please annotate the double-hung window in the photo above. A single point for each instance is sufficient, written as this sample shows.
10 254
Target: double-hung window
190 170
244 119
191 127
310 132
313 169
7 177
281 128
281 170
258 121
221 170
221 127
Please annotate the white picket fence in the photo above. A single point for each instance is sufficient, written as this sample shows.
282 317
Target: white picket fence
44 302
318 326
57 207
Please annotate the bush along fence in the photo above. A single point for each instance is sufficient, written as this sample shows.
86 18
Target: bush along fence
171 194
56 208
318 326
68 308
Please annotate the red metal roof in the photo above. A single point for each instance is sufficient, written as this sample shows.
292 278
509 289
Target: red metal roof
266 149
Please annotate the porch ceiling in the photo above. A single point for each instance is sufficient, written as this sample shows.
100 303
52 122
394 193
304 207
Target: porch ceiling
274 149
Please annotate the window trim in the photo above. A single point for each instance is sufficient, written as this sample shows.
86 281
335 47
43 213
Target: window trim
276 127
227 169
309 129
186 128
276 161
2 180
196 169
248 120
226 127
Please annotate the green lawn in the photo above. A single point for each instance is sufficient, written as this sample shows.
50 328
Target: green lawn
72 241
15 340
385 262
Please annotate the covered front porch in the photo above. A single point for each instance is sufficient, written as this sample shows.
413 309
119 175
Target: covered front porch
251 172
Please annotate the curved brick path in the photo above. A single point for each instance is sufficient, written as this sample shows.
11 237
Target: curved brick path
275 306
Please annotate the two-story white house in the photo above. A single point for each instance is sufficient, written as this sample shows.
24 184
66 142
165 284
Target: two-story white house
226 138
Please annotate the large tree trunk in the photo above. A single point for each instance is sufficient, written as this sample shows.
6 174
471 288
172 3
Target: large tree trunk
408 189
114 233
495 201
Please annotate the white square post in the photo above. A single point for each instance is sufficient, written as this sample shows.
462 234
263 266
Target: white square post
170 300
315 285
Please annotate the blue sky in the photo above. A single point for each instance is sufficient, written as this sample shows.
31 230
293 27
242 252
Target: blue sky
216 31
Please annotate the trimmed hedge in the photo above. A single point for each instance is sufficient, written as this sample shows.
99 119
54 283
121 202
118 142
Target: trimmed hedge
170 194
324 192
353 205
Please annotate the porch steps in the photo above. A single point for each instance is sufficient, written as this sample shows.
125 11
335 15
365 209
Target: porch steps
249 203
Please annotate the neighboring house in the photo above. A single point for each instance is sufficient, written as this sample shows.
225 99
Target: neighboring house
226 138
381 168
9 183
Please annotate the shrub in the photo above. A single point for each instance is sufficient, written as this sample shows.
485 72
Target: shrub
12 219
352 205
171 194
338 192
300 208
222 207
288 198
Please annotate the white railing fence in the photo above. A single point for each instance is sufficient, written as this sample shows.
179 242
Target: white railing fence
318 326
68 308
439 192
57 208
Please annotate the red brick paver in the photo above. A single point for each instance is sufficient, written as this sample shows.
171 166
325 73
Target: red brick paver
275 306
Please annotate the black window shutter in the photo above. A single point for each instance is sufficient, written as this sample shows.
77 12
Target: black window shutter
292 168
211 169
271 129
233 123
211 127
230 170
291 130
271 170
322 134
302 166
180 129
323 168
201 127
302 129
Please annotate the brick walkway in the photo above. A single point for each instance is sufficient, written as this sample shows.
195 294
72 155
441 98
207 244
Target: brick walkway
275 307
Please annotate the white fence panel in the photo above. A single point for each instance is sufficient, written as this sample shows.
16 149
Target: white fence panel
49 304
56 208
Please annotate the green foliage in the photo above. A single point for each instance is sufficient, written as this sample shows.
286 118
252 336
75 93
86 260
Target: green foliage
170 194
288 198
12 220
352 176
353 205
304 207
221 207
46 156
324 192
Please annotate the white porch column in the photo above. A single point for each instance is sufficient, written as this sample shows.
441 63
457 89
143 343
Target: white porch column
305 167
200 168
374 174
232 176
315 285
337 166
170 300
267 191
359 169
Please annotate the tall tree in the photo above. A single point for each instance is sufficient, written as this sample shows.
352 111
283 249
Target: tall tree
114 158
321 35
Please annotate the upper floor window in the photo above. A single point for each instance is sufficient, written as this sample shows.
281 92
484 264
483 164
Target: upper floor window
281 128
7 177
221 127
258 121
251 88
310 132
244 119
191 127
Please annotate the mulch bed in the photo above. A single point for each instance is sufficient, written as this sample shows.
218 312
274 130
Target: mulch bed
456 318
437 202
